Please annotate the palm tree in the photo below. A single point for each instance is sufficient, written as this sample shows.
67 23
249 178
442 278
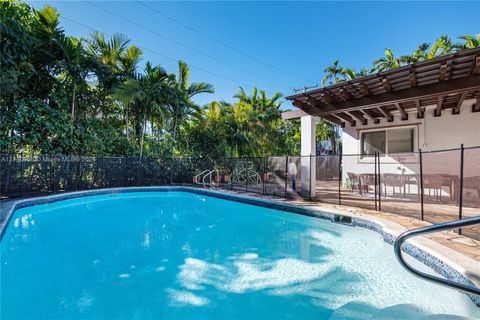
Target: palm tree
388 62
109 56
180 103
351 74
237 128
148 91
442 46
253 122
470 42
116 62
127 68
74 66
332 72
243 97
420 54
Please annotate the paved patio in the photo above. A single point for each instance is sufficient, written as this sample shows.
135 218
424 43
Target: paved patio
435 210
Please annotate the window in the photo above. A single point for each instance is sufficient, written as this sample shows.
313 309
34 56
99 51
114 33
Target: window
388 141
374 142
400 140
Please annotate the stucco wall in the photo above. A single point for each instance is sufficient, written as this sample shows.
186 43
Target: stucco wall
431 133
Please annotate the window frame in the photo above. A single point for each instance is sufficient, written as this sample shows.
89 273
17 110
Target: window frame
386 130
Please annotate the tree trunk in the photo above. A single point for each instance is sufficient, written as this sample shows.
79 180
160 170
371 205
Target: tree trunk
126 121
73 106
143 131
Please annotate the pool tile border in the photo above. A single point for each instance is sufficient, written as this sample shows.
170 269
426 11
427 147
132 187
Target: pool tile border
8 208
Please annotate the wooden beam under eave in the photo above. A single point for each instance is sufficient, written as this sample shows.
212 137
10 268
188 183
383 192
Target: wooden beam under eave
412 78
345 118
402 111
338 118
327 95
420 111
383 110
456 110
476 65
369 115
305 107
344 93
357 116
386 85
469 54
335 120
364 89
428 91
443 72
438 110
297 103
312 101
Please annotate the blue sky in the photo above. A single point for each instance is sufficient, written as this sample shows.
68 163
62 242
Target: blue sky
300 38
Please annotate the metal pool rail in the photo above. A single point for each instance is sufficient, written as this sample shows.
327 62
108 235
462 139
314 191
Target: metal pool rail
431 229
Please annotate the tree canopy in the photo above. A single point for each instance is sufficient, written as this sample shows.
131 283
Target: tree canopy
425 51
63 95
96 96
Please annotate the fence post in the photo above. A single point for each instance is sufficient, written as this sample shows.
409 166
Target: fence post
231 173
246 182
286 175
79 171
21 170
172 169
380 185
265 173
103 172
421 184
138 170
376 181
52 185
340 177
460 196
125 176
310 178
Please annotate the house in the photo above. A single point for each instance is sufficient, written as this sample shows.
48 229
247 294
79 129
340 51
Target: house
429 106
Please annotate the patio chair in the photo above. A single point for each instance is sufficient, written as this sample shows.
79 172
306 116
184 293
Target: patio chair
472 183
432 181
354 181
367 180
394 180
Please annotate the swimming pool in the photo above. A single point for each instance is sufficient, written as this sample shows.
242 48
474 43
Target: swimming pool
182 255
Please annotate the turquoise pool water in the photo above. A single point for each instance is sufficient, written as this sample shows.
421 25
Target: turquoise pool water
179 255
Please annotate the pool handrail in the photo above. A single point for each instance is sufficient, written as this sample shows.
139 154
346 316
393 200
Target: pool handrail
209 174
428 230
200 174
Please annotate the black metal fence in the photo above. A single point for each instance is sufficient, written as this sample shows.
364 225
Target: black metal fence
436 186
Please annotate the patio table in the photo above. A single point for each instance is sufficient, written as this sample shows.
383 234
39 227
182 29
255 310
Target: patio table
452 182
448 180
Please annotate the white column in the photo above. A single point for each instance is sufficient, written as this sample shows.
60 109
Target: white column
308 148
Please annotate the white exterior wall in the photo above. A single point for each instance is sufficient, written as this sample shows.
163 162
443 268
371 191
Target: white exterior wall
431 133
308 146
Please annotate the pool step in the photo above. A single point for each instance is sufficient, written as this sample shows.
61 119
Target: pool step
445 317
357 310
404 311
354 310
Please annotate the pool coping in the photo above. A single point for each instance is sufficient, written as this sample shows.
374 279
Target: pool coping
447 262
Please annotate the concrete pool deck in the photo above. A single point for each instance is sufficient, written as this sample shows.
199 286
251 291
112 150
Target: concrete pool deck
452 255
